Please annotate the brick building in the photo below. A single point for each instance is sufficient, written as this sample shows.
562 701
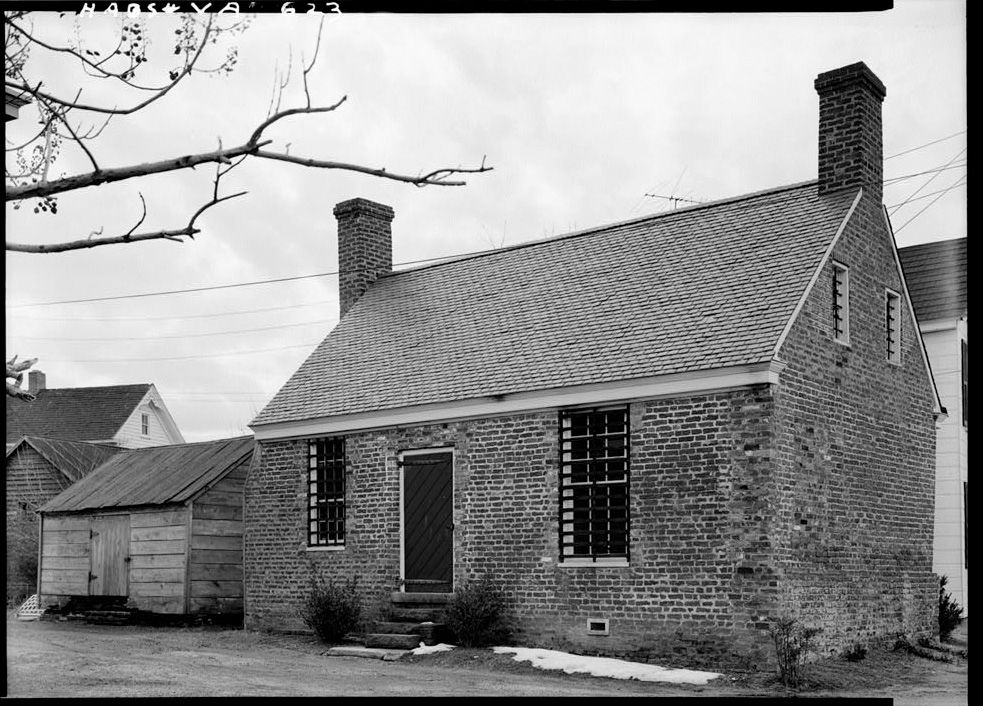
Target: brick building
653 435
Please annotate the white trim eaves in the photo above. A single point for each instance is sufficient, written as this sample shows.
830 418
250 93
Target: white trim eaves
815 275
939 409
157 403
702 381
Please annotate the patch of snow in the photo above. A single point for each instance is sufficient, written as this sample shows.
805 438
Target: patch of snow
425 650
605 666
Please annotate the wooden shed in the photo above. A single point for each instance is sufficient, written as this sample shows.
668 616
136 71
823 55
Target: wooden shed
161 526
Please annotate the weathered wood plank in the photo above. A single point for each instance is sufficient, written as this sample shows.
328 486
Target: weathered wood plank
65 576
216 572
222 528
219 497
64 536
158 604
227 589
212 604
172 546
204 511
50 550
157 561
162 518
157 588
142 534
155 574
78 563
65 522
200 541
216 556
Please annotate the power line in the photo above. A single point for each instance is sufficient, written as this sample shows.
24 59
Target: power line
927 144
188 335
925 196
953 186
182 357
930 180
170 318
927 171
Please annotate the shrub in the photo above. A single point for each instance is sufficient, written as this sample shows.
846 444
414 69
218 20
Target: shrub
793 641
855 653
480 615
950 612
331 610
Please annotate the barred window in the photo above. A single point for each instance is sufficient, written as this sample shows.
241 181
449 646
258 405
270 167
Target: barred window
326 492
893 326
841 303
594 475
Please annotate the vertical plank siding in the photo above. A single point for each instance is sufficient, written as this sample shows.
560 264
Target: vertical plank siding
215 562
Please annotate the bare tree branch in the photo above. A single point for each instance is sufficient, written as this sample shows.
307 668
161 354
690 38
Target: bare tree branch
435 178
15 373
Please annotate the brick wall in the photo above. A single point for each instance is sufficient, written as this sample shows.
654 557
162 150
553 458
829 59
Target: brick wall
364 247
855 459
700 582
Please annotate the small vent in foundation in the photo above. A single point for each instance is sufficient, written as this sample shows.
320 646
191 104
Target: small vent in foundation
597 627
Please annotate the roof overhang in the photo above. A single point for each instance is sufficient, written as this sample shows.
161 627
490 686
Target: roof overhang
671 385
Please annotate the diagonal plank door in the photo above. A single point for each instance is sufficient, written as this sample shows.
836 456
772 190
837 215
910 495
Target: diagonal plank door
428 528
109 550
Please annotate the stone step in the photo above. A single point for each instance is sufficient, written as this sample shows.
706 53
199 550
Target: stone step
391 641
415 615
398 628
398 597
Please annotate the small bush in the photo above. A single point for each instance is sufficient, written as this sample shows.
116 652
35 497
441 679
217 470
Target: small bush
793 641
331 610
480 615
856 653
950 612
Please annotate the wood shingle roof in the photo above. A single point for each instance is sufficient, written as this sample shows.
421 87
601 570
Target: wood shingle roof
694 289
74 413
74 459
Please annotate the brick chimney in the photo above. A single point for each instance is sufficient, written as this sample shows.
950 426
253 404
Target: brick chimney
35 381
365 247
851 152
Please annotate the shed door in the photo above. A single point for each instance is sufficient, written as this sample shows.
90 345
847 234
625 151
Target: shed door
109 548
428 528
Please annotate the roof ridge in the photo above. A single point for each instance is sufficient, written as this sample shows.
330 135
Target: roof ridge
194 443
452 259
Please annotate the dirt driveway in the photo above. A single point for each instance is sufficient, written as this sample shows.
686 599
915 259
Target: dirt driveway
46 659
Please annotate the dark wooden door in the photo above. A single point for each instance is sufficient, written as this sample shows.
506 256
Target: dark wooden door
428 529
109 548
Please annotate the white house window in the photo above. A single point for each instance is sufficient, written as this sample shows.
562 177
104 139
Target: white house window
841 303
594 484
326 492
145 424
892 325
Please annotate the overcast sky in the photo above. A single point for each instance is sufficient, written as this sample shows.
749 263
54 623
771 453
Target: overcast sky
580 115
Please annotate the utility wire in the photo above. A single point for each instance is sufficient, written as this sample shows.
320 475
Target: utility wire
182 357
953 186
169 318
927 144
327 274
179 336
930 180
931 193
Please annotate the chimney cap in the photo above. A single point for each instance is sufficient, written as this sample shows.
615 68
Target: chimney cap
846 76
360 206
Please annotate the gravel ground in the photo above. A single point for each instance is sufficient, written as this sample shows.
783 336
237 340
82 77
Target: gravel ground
69 659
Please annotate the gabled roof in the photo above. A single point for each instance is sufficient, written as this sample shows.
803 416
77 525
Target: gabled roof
73 459
154 476
936 278
74 413
690 290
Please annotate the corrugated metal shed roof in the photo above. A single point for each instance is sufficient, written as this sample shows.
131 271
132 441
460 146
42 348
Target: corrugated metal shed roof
694 289
153 476
74 459
936 278
74 413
